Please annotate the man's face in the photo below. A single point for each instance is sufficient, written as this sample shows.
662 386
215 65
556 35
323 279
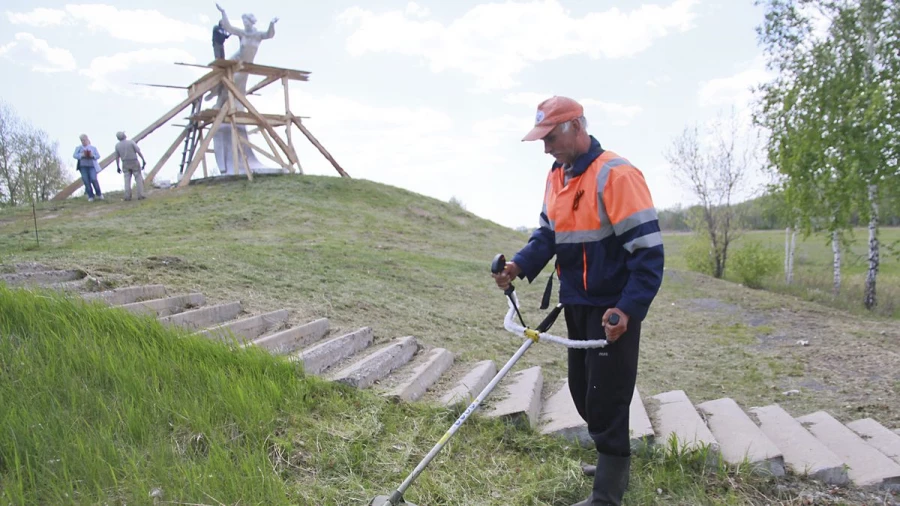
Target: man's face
85 142
561 145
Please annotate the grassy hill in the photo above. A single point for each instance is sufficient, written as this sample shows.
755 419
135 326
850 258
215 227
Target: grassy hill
362 254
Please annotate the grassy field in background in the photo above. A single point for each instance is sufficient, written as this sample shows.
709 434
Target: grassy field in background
365 254
813 267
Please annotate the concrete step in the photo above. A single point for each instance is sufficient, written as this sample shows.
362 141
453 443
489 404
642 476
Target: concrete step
29 267
867 466
559 417
675 416
85 284
739 438
247 329
414 387
639 422
166 306
324 355
523 400
294 338
878 437
471 385
38 277
128 295
205 316
372 368
803 454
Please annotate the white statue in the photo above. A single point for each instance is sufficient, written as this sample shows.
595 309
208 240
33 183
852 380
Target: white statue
250 38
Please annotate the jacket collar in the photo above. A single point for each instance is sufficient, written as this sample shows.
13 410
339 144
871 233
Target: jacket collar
583 161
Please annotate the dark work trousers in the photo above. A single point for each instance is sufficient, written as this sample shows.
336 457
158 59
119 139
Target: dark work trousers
219 51
602 380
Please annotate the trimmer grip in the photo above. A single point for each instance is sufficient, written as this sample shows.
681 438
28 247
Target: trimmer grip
498 264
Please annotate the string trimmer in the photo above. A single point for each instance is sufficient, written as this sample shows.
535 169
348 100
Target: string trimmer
532 336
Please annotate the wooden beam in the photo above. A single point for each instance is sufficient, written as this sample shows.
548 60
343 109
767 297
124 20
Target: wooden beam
321 148
262 121
272 147
262 70
260 150
262 84
287 131
162 86
204 145
198 93
165 157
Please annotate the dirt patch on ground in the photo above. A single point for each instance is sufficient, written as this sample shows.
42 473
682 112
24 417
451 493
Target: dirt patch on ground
835 361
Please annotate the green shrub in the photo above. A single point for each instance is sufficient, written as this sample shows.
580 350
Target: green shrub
698 255
752 262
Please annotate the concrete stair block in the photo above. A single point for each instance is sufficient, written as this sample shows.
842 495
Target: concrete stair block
247 329
739 438
639 422
803 454
372 368
676 416
560 417
867 466
426 374
293 338
48 277
204 317
127 295
523 400
166 306
324 355
471 385
878 437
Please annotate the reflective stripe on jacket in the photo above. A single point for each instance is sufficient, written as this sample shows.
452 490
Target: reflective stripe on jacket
603 228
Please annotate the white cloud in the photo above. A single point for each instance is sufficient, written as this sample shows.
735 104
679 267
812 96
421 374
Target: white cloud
108 73
735 89
38 17
594 109
657 81
138 25
27 49
496 41
415 10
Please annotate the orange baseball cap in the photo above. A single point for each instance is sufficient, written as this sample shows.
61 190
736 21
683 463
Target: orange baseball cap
552 112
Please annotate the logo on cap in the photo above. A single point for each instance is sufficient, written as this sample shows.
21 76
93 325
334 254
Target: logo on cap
539 117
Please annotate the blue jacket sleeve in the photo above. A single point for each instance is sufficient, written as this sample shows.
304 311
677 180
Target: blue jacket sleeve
540 249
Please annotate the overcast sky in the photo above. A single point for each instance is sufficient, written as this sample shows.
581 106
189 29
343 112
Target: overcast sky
429 96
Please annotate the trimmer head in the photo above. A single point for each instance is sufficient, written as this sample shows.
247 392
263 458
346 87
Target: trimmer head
384 500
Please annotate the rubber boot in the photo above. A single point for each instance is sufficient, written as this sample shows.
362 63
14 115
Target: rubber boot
610 481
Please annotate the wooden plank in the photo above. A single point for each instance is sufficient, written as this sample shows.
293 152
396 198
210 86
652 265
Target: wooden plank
165 157
264 123
272 147
263 70
321 148
259 150
186 177
262 84
285 82
198 93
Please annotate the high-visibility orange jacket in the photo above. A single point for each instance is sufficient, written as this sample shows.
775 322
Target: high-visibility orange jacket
603 228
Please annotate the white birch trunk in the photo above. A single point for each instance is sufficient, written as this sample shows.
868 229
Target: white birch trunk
872 274
836 248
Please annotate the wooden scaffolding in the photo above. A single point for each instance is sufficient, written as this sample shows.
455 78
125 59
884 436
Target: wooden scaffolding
196 136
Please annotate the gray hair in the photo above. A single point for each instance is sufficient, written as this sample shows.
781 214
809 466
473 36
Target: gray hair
120 136
581 120
83 137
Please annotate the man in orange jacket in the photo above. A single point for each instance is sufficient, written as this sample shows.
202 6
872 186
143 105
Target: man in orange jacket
598 219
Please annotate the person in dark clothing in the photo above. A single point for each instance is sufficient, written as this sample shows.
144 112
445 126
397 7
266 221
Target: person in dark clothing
610 260
219 35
